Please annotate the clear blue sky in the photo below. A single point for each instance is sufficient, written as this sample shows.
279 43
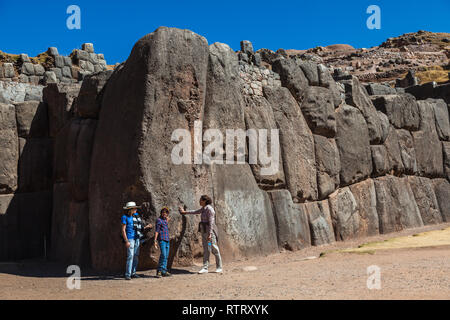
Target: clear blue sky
114 26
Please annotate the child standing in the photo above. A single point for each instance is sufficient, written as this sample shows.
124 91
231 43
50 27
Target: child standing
162 237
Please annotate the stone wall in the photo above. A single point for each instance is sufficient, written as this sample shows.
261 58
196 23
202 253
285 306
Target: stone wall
51 67
351 164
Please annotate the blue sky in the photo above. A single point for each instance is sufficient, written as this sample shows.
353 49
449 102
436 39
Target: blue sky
114 26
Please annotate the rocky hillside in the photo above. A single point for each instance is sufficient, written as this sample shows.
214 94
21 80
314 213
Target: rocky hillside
356 158
425 53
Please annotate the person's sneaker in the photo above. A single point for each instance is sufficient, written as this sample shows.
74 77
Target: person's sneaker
127 278
167 274
203 270
159 274
135 276
219 270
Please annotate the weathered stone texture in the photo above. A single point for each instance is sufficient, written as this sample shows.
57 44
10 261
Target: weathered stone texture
296 142
352 140
290 220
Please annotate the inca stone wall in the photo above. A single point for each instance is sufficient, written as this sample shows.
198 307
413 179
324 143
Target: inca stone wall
352 164
51 67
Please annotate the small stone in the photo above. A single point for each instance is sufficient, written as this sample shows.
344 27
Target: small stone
250 268
82 64
59 61
24 57
89 66
50 77
88 47
94 58
247 47
67 61
39 70
80 55
256 59
8 69
98 68
52 51
57 72
23 78
34 80
82 74
243 57
28 68
66 72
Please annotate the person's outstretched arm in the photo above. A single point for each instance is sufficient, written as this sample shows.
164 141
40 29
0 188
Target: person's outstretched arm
182 211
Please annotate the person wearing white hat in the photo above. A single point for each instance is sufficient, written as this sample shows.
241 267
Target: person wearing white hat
132 233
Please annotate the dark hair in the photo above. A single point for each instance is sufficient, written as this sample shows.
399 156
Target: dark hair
206 198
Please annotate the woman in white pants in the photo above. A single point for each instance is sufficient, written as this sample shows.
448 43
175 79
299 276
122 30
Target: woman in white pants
208 229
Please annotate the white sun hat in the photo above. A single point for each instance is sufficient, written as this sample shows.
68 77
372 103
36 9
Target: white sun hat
130 205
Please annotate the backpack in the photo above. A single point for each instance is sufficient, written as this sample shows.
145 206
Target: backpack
138 227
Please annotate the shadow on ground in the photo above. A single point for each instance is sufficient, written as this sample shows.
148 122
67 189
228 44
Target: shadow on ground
46 269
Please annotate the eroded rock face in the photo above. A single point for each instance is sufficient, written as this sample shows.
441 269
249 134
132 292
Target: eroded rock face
353 211
365 197
159 89
393 152
80 158
446 152
88 101
356 96
244 213
259 115
291 76
59 99
352 140
426 142
296 142
426 200
328 165
290 220
318 109
441 117
396 205
408 153
9 147
320 222
32 119
401 109
442 192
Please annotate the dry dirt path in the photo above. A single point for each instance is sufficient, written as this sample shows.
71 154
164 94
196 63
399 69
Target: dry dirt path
411 273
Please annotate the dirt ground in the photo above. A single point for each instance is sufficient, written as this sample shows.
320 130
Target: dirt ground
313 273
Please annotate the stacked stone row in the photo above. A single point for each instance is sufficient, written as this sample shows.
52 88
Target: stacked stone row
253 74
66 69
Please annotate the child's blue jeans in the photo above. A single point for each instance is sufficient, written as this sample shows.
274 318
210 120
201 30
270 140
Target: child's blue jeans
164 246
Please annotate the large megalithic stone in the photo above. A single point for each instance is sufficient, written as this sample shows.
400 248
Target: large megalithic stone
159 89
171 79
243 211
353 142
9 149
296 144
